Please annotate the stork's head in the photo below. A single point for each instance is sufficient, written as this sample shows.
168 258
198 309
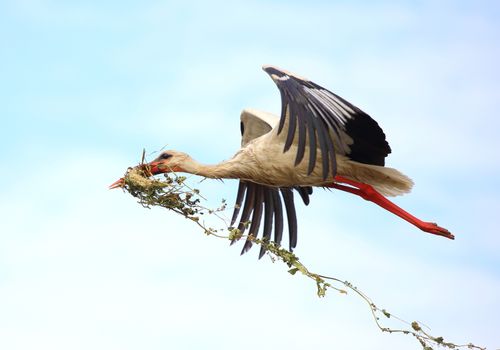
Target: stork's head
166 162
169 161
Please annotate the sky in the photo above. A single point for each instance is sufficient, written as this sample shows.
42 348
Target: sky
86 85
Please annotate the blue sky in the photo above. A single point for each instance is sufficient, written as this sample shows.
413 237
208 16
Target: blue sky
86 86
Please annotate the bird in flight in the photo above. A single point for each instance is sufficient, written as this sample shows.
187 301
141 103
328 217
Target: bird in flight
319 140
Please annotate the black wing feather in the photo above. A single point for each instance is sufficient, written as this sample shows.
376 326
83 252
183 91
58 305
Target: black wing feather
329 142
239 200
248 207
278 217
256 217
301 145
292 124
304 193
311 127
268 218
287 194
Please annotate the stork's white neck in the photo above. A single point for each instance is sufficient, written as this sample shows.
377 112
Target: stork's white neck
233 168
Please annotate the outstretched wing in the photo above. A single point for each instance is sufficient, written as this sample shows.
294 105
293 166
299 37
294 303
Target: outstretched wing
256 200
326 121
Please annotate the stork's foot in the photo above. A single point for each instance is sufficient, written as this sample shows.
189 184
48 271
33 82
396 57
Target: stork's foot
433 228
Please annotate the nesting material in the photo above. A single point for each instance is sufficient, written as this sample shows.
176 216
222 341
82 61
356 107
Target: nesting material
170 193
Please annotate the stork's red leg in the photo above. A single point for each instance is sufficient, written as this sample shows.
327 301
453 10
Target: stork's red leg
370 194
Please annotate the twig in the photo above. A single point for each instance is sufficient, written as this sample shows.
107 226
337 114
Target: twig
173 194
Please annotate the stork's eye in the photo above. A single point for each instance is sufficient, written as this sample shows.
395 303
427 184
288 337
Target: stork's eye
165 156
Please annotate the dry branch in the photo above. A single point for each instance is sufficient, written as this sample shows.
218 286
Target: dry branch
173 194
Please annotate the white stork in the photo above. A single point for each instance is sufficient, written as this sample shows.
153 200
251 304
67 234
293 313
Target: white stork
319 140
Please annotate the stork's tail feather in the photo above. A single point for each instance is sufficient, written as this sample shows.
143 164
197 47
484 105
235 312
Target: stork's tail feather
393 182
388 181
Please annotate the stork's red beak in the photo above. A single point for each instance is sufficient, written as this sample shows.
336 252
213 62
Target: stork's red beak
161 168
154 169
118 183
